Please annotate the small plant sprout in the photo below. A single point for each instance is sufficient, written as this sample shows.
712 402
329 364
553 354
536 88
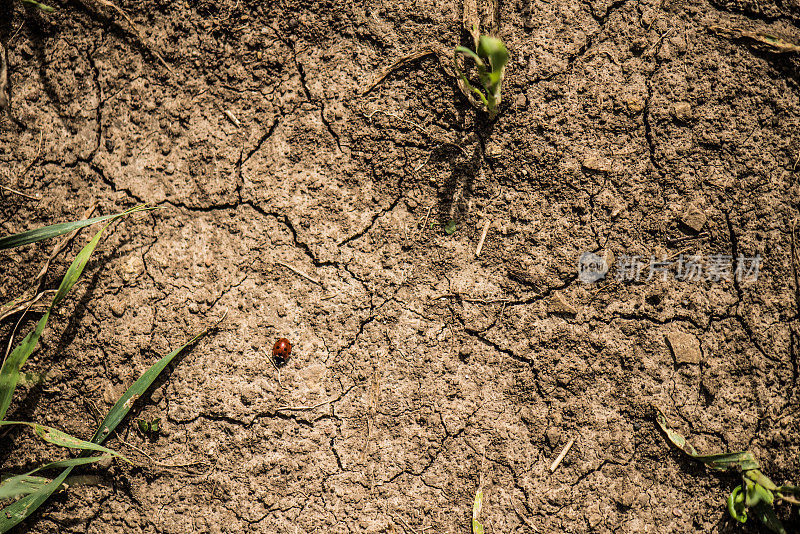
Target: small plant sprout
149 427
38 5
477 505
756 493
490 57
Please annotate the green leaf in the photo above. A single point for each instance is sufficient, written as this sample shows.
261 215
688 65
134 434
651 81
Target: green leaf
759 478
125 402
767 516
14 513
9 372
18 485
736 507
48 232
62 439
756 494
675 438
495 51
469 53
490 57
743 460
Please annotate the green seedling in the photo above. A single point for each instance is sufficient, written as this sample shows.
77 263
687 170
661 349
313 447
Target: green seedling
490 57
149 427
39 6
449 227
757 493
477 526
29 490
10 370
37 490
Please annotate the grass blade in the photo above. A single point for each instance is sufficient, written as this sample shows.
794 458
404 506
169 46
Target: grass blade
48 232
720 462
62 439
9 372
125 402
75 270
14 513
19 485
477 527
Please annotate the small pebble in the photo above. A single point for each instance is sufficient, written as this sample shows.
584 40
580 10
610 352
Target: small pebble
682 112
694 218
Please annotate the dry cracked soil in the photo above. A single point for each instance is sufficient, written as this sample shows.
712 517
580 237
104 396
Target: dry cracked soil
420 372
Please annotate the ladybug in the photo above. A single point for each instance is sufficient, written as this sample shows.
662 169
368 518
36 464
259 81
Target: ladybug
281 351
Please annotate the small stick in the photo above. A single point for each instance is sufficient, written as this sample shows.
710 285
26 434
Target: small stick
161 464
299 273
560 457
425 222
231 117
467 298
26 304
35 158
135 30
304 408
483 238
417 54
20 193
688 238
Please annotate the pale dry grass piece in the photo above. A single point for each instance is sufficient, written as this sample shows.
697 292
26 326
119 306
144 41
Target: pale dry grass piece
299 273
561 455
479 248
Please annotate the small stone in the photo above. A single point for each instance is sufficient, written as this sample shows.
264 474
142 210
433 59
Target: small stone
635 104
111 394
639 45
118 307
685 347
553 436
694 218
682 112
494 150
170 169
520 101
193 307
560 305
464 353
596 163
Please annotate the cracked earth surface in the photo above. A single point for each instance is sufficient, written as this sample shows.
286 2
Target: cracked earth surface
419 372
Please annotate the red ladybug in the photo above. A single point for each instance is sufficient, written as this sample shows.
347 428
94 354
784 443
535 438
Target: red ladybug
281 350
